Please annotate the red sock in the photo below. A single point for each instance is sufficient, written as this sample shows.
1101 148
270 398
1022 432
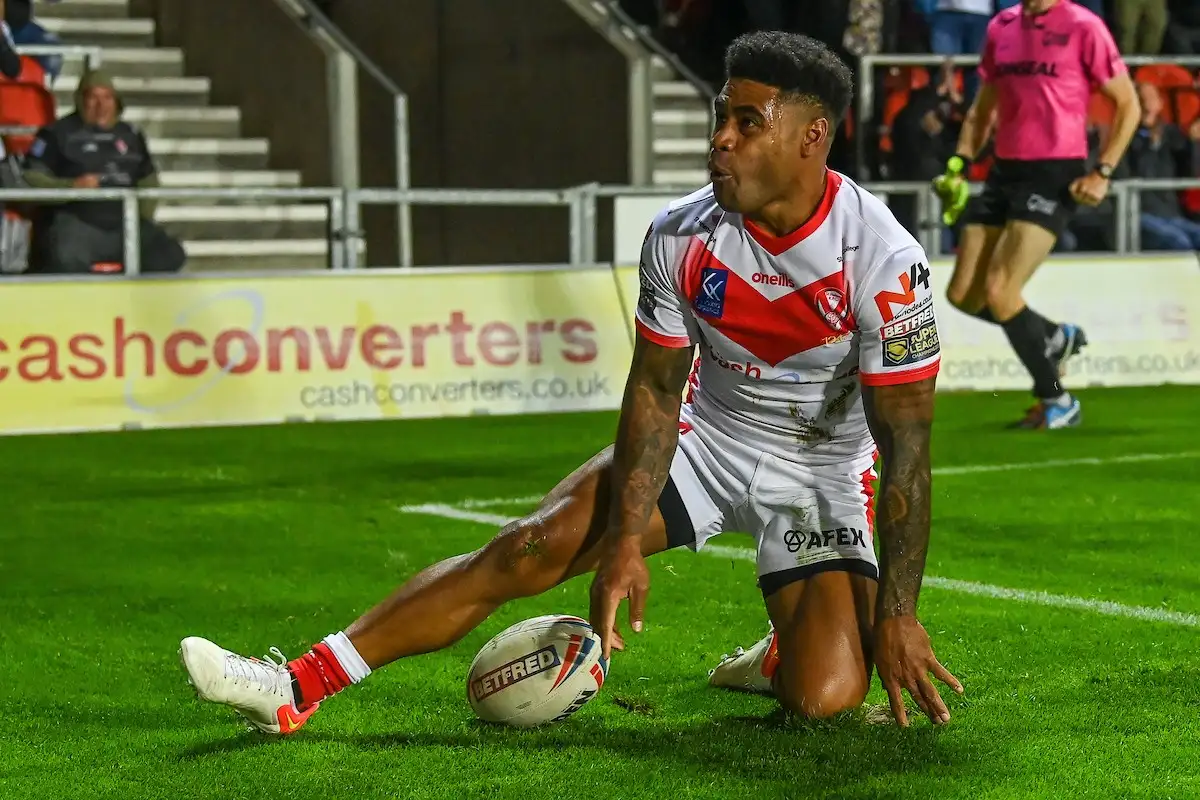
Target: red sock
317 675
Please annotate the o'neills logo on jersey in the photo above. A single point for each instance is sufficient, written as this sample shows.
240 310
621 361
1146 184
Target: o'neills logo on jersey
773 280
1025 69
832 305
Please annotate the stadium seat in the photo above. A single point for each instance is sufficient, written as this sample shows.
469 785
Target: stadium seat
1101 111
27 105
1165 76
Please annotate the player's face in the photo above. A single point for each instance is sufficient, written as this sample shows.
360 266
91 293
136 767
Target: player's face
761 145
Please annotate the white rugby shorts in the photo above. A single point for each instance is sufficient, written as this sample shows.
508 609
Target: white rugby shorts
804 519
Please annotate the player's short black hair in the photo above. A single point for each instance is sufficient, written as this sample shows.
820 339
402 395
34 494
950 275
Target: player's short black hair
802 68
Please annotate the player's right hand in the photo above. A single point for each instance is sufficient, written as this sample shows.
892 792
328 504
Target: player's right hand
904 659
953 190
621 573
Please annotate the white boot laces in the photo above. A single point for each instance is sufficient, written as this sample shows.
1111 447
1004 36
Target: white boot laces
267 674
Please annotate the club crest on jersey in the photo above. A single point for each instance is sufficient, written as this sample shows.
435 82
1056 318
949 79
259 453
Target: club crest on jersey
832 306
711 299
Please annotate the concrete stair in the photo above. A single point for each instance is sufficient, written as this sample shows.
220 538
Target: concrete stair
195 145
682 119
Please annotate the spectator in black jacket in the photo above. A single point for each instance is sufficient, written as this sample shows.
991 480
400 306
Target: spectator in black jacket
92 148
1161 150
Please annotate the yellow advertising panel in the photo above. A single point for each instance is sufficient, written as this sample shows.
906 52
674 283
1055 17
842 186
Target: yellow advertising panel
92 355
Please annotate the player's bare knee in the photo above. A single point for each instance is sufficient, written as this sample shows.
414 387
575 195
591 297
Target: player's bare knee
520 557
1003 298
959 297
821 697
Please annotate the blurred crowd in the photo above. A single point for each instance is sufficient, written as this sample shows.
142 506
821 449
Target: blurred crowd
919 110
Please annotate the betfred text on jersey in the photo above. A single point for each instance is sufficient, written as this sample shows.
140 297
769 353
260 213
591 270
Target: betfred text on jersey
919 316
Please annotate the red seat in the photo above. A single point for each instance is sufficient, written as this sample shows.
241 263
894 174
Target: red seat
1165 76
27 105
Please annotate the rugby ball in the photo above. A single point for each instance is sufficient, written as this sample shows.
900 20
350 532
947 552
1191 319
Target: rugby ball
538 671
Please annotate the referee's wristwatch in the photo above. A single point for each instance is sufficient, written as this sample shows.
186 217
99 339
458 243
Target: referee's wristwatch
1104 171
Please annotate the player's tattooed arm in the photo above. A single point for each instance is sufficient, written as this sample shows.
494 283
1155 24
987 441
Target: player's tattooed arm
647 433
900 418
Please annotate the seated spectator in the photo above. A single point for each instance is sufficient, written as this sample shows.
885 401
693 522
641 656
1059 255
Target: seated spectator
18 15
924 135
1092 228
93 148
1160 150
1183 29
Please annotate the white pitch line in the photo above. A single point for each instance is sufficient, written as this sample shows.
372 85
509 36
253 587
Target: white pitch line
487 502
966 469
450 512
1132 458
1103 607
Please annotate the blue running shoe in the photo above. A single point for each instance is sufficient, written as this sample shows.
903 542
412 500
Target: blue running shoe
1048 416
1067 343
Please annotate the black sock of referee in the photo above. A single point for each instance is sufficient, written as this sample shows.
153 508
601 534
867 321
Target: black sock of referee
986 315
1026 333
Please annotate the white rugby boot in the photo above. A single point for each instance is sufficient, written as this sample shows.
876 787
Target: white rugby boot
259 690
749 670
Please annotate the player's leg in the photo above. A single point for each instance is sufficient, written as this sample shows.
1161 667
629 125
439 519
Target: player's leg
824 630
432 610
968 285
984 221
817 571
1021 250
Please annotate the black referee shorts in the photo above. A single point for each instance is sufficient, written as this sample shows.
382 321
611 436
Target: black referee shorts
1029 191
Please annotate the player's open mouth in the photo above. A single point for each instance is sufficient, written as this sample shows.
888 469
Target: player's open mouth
717 176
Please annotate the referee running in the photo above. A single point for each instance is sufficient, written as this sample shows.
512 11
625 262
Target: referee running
1040 62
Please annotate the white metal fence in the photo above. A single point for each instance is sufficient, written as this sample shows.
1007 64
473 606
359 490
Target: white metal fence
346 237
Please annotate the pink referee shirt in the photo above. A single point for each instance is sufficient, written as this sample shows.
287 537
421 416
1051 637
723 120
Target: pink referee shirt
1044 69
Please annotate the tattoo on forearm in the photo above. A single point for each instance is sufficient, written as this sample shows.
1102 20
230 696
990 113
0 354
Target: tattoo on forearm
647 433
900 419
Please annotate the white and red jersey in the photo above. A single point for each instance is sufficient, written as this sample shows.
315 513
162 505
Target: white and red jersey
788 328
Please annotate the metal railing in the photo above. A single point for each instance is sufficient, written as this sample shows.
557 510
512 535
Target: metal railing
131 215
867 126
1126 196
343 59
573 198
93 55
640 49
345 209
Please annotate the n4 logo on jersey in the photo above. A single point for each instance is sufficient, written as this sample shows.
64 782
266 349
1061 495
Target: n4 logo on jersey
890 302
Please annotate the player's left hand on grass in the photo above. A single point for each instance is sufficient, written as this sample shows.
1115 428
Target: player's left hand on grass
904 658
1090 190
621 573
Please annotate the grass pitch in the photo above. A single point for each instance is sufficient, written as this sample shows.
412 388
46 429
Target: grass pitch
114 547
